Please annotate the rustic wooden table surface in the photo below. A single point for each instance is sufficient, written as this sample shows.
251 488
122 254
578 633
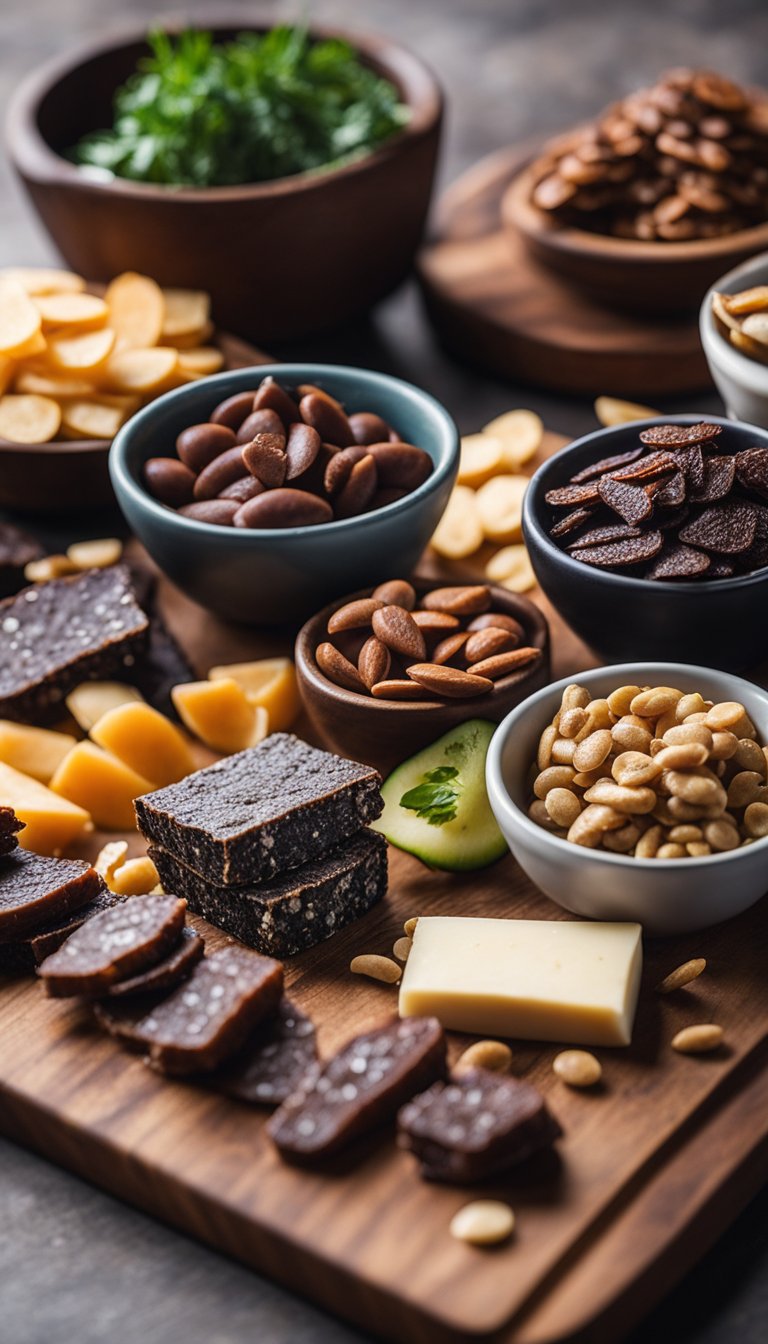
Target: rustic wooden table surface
75 1266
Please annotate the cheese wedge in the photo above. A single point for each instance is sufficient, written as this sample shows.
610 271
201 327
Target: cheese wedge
145 740
51 823
99 781
536 980
270 684
34 751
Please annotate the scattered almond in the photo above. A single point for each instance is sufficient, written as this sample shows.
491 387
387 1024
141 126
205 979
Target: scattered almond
493 1055
376 968
698 1040
577 1068
484 1222
682 975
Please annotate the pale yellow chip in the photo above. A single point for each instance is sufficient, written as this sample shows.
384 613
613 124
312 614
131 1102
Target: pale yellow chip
754 300
148 370
614 411
722 314
186 311
511 567
91 419
201 360
27 418
98 554
36 345
500 507
136 310
44 279
46 384
84 312
520 432
110 859
82 354
89 701
459 532
756 327
135 877
482 456
20 321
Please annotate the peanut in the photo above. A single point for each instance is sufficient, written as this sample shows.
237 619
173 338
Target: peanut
409 927
376 968
699 1039
593 750
554 777
575 697
484 1222
620 798
493 1055
756 820
744 788
670 851
722 834
588 827
563 750
682 975
655 701
401 948
620 700
577 1068
562 806
633 768
683 756
724 715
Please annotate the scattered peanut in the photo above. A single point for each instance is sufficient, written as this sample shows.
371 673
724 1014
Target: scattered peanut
409 926
402 948
577 1068
493 1055
376 968
484 1222
699 1039
682 975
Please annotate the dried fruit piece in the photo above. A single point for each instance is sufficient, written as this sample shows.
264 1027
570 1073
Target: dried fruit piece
500 507
680 436
631 502
459 532
632 551
376 968
577 1068
719 474
482 457
606 464
677 561
726 528
699 1039
752 469
512 568
520 433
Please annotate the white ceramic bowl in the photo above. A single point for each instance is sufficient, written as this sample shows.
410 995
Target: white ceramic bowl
742 382
666 896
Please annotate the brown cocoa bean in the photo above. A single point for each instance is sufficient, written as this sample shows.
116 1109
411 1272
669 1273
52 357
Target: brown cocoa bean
169 480
233 410
224 470
354 615
398 689
436 622
338 668
401 465
265 457
219 511
450 682
396 593
500 620
502 664
247 487
397 629
449 647
284 508
339 468
301 449
271 396
485 643
368 428
260 422
467 600
325 415
198 445
359 490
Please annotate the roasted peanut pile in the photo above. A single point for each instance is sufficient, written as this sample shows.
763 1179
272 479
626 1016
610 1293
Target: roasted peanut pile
743 320
685 159
446 645
653 772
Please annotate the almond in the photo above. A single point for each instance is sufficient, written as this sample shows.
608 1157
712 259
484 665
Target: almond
485 643
339 469
284 508
500 620
301 449
501 664
354 615
434 622
396 593
325 415
374 662
448 681
397 629
401 464
398 690
338 668
464 601
265 458
449 647
359 490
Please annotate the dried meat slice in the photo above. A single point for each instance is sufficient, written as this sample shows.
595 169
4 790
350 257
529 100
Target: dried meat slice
609 532
727 528
120 942
34 890
360 1088
691 463
606 464
655 464
631 502
757 555
26 953
571 521
719 475
669 493
210 1016
477 1125
616 554
566 495
273 1063
679 436
9 830
679 562
166 973
752 469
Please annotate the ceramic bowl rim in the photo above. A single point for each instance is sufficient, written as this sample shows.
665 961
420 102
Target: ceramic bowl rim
124 482
533 504
734 363
418 86
501 797
307 663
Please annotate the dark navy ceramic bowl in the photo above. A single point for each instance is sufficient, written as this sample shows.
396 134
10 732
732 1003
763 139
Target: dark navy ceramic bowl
718 622
271 576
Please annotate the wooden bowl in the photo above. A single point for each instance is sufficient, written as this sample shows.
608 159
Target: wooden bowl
383 733
71 475
280 259
620 273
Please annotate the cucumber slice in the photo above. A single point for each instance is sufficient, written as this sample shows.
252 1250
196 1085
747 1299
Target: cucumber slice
447 821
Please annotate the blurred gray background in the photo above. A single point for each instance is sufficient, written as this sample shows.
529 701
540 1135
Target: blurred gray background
75 1266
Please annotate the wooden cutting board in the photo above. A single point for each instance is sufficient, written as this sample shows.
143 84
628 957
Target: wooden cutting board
652 1167
495 307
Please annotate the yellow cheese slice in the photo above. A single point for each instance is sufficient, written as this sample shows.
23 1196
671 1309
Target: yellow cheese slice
34 751
51 823
220 714
270 683
99 781
146 741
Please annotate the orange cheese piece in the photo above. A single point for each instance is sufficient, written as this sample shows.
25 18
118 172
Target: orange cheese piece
269 683
97 780
51 823
220 714
34 751
146 741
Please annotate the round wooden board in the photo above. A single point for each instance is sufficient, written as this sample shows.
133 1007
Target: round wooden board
495 307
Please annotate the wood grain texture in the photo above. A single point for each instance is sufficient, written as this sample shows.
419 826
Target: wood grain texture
652 1165
497 308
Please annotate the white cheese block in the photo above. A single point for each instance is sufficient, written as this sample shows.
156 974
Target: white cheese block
538 980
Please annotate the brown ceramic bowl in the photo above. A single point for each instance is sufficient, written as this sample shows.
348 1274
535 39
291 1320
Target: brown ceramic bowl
385 732
632 276
280 259
71 475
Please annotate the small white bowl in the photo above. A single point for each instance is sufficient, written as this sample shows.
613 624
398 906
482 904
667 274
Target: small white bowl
741 381
666 896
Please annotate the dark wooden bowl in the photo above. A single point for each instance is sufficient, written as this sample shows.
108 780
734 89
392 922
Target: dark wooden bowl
385 732
632 276
280 259
71 475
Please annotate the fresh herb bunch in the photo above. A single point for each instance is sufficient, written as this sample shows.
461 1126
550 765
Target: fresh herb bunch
436 799
201 114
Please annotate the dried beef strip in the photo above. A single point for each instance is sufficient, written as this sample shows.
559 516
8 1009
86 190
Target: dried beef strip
273 1062
679 436
571 521
34 890
631 502
727 528
719 475
225 822
166 973
609 532
616 554
477 1125
752 469
26 953
359 1089
606 464
116 944
677 561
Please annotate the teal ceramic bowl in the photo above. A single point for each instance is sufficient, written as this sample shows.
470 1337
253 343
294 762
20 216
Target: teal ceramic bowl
272 576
